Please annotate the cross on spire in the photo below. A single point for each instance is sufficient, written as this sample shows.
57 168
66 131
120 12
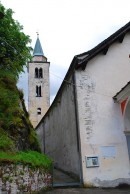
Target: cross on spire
37 34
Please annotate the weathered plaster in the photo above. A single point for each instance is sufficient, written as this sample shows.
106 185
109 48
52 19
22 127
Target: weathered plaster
60 132
100 119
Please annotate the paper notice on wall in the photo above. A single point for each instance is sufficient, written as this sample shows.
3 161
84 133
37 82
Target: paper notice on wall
92 161
108 151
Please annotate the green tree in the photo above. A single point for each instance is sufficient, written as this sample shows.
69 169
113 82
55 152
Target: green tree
14 55
14 49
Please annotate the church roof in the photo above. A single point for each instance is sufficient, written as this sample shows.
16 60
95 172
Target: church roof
102 47
81 60
38 48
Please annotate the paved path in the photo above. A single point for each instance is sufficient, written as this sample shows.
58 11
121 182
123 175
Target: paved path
87 191
60 177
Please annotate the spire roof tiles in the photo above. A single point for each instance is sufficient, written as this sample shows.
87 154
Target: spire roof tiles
38 48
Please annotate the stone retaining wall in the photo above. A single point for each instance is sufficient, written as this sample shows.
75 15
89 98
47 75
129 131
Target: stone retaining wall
19 178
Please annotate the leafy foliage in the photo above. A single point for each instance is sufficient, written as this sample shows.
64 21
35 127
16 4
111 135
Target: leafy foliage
9 101
14 54
16 132
14 49
13 115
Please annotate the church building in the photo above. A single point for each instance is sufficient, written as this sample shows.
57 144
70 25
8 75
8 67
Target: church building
86 130
38 85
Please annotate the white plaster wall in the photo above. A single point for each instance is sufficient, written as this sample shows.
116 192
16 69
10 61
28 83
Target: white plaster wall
38 102
41 136
59 128
100 119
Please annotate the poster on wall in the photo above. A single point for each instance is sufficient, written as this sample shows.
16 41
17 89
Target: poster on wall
91 161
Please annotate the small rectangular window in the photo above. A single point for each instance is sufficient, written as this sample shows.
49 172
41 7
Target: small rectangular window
39 111
38 91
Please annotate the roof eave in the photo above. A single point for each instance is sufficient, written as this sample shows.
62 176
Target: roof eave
104 46
122 94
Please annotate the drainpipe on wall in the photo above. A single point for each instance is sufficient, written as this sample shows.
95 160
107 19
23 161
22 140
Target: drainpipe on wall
77 127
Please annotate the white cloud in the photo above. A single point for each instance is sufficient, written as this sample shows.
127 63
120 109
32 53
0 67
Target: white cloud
68 27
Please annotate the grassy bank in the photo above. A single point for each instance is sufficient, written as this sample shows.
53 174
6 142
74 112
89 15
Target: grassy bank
33 158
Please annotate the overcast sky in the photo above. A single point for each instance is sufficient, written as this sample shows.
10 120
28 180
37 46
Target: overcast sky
67 28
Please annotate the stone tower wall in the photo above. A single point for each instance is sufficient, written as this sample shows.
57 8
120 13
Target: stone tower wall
35 102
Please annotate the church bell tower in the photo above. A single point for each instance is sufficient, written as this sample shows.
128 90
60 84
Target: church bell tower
38 85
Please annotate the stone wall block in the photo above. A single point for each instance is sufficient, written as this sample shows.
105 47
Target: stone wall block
16 179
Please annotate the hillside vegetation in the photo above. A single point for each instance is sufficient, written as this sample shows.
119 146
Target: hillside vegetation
18 140
16 130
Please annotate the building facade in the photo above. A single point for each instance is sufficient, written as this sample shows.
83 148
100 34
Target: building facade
38 85
85 127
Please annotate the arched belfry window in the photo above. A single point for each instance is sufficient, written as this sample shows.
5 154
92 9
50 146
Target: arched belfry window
38 91
40 73
36 72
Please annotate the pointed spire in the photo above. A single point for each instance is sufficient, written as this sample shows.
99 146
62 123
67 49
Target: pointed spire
38 48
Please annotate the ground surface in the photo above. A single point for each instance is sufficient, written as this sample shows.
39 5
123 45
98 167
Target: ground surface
87 191
61 179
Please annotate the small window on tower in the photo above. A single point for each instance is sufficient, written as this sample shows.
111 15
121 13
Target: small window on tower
40 73
39 111
38 91
36 72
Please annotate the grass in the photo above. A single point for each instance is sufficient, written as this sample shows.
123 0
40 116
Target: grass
32 158
14 118
15 125
6 144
